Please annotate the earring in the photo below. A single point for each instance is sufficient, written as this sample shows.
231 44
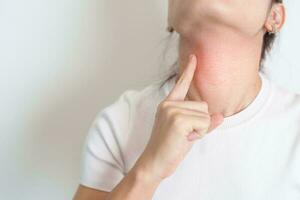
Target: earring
274 30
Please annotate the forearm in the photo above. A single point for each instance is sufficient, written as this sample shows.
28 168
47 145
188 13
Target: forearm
135 185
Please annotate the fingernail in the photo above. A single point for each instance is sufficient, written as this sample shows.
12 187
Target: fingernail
191 56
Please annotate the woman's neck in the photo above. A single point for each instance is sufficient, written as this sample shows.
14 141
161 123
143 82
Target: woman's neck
227 73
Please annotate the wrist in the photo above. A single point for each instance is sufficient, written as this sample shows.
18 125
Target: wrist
141 174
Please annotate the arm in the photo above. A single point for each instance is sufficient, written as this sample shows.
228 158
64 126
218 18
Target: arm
178 124
135 185
85 193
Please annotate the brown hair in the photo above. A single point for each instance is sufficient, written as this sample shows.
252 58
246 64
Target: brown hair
268 40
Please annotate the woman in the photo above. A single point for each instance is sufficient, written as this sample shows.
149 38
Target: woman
218 129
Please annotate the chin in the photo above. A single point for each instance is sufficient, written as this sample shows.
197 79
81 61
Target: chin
191 17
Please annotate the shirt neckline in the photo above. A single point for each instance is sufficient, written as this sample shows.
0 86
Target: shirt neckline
247 113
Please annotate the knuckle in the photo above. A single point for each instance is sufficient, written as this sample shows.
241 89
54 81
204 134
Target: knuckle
205 105
204 122
162 106
176 119
201 134
207 119
169 113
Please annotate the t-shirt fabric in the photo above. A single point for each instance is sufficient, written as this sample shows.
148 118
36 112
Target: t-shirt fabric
254 154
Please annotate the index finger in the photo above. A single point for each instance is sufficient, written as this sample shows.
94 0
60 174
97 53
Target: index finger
182 86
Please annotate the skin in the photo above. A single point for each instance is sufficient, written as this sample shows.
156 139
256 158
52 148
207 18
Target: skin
227 75
220 80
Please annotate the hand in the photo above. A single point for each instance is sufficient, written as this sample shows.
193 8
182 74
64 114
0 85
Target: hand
178 124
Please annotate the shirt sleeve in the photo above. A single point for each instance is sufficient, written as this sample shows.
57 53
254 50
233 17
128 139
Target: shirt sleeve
103 164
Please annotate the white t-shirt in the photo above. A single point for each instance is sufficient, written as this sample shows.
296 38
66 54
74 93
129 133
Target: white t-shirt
253 154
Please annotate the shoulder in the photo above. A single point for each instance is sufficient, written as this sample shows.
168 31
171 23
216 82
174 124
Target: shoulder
131 107
283 110
288 107
285 98
119 130
110 137
130 102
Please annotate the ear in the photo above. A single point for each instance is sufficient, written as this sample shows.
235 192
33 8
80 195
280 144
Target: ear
276 18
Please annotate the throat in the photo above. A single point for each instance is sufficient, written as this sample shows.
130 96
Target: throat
227 73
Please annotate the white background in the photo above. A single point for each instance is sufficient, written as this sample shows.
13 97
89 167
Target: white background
61 61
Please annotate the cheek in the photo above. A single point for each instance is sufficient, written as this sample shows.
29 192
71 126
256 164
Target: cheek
252 15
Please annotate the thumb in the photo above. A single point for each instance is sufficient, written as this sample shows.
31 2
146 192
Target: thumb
216 120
